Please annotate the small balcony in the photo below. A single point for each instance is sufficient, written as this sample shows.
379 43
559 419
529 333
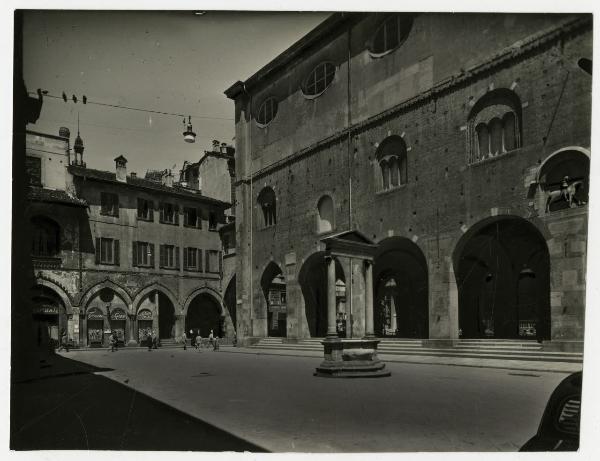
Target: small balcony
46 262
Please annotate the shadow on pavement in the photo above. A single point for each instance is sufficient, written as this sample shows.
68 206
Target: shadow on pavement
70 408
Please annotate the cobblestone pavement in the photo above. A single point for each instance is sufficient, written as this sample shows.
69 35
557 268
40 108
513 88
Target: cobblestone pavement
276 403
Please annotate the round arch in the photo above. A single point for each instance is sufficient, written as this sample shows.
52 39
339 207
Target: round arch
95 289
502 270
313 283
273 285
401 294
550 157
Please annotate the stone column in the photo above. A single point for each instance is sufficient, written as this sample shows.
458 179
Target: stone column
369 333
132 330
393 314
331 317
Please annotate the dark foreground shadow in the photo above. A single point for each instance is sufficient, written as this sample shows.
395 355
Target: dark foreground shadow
73 409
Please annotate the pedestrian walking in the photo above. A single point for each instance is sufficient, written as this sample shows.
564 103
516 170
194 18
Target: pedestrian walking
216 343
154 340
192 338
113 342
184 341
149 341
211 338
198 340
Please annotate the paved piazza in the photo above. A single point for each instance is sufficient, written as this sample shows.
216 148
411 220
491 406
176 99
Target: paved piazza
276 403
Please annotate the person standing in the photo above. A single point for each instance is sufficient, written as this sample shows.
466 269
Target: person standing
154 340
113 342
192 338
216 343
211 338
184 341
149 340
198 341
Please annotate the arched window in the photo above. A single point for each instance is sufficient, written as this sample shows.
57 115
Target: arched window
319 79
392 160
46 237
267 202
390 34
564 180
494 124
326 214
267 111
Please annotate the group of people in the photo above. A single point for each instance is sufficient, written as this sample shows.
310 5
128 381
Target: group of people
196 340
152 340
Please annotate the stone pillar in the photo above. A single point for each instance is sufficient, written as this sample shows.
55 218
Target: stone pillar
132 330
331 314
369 333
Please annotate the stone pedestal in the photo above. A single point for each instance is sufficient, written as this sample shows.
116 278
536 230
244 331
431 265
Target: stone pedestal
351 358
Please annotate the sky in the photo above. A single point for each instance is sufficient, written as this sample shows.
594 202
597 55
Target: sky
177 62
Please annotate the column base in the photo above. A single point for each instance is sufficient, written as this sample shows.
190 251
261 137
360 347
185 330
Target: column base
351 358
132 343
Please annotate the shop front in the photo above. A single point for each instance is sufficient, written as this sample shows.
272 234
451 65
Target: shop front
144 322
118 325
95 327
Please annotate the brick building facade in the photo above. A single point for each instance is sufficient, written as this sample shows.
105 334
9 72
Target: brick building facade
456 144
116 253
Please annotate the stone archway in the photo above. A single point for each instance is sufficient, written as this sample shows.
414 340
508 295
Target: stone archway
401 290
204 313
49 314
313 282
502 269
274 291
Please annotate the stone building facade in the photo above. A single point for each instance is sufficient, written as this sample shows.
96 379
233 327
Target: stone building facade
116 253
456 146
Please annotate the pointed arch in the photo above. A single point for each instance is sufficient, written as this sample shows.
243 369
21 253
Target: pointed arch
120 291
139 297
58 289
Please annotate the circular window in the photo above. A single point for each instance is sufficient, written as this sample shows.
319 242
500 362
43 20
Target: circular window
390 35
319 79
267 111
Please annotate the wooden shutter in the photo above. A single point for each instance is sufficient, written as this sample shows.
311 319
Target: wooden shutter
134 254
117 259
151 246
116 205
177 257
176 214
151 210
207 261
97 250
198 218
162 256
185 257
198 259
161 209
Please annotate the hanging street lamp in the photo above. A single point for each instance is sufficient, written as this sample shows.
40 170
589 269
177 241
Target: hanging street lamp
188 134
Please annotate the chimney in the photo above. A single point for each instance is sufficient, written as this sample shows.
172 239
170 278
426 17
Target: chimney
64 132
121 167
133 174
167 178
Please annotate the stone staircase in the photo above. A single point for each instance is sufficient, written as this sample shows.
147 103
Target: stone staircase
467 348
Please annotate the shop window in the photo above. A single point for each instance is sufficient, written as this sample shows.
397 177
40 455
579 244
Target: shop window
390 35
46 237
192 259
145 209
267 111
494 125
190 217
319 79
169 213
143 254
109 204
392 160
267 203
107 251
326 214
169 257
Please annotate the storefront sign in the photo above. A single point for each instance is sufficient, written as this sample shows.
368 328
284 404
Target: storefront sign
95 314
46 309
118 314
144 315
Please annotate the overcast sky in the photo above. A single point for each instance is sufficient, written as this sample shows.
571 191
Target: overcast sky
168 61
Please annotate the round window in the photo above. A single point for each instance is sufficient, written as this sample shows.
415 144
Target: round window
319 79
390 34
267 111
